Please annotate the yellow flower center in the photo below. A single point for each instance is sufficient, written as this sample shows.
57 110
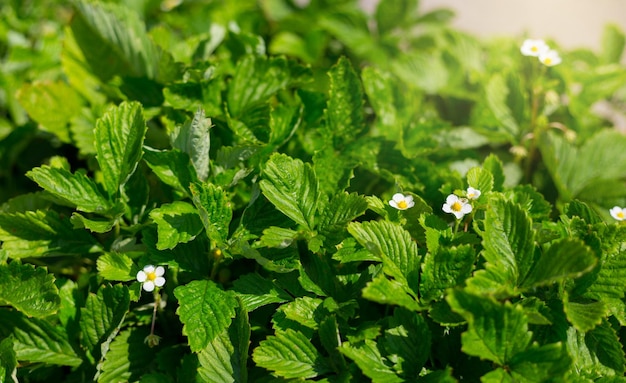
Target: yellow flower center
457 206
534 49
547 61
151 276
620 215
402 204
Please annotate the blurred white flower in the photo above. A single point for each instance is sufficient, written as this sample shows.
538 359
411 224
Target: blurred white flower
151 277
457 206
534 48
618 213
473 193
401 202
550 58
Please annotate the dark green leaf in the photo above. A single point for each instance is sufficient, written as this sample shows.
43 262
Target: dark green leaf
172 167
215 210
205 310
177 222
408 337
367 356
128 358
28 289
450 266
194 139
256 291
8 361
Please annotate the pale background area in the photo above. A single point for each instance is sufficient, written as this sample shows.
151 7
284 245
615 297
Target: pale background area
571 23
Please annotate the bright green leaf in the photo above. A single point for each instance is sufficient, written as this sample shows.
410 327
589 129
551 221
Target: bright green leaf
292 187
408 337
289 354
342 209
177 222
390 292
172 167
215 211
496 332
367 356
75 189
205 311
128 358
29 289
450 266
481 179
116 266
540 363
119 139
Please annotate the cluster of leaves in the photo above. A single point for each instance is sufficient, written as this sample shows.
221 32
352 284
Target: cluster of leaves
250 148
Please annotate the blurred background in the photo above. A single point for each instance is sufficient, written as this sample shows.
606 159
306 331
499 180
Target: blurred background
572 23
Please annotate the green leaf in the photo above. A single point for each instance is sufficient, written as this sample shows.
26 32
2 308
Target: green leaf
52 105
102 315
391 14
540 363
256 291
205 311
584 316
508 239
119 139
379 89
75 189
114 43
342 209
344 112
575 170
409 338
390 292
613 42
278 237
496 95
289 354
566 258
606 344
393 245
303 310
225 357
448 267
128 358
367 356
258 78
481 179
215 211
41 233
172 167
194 139
292 187
493 164
495 332
116 266
36 340
29 289
177 222
284 121
95 225
8 361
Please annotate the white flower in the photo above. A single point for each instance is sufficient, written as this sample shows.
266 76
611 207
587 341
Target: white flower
150 277
401 202
473 193
618 213
457 206
550 58
534 48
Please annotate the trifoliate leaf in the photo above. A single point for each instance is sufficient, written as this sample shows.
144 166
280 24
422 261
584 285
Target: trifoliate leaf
215 211
256 291
367 356
177 222
52 105
29 289
194 139
40 233
116 266
102 315
75 189
119 140
225 357
292 187
291 355
128 357
36 340
496 332
205 311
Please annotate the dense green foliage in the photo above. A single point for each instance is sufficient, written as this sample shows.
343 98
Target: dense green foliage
249 148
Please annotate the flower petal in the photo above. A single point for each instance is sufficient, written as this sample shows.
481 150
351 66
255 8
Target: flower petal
148 286
398 197
159 281
141 276
452 198
159 271
148 269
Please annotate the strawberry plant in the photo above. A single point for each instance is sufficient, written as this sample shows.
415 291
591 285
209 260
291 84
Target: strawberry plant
259 191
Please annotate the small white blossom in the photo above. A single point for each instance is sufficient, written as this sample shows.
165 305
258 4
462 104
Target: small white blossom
618 213
401 201
151 277
534 48
473 193
550 58
457 206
